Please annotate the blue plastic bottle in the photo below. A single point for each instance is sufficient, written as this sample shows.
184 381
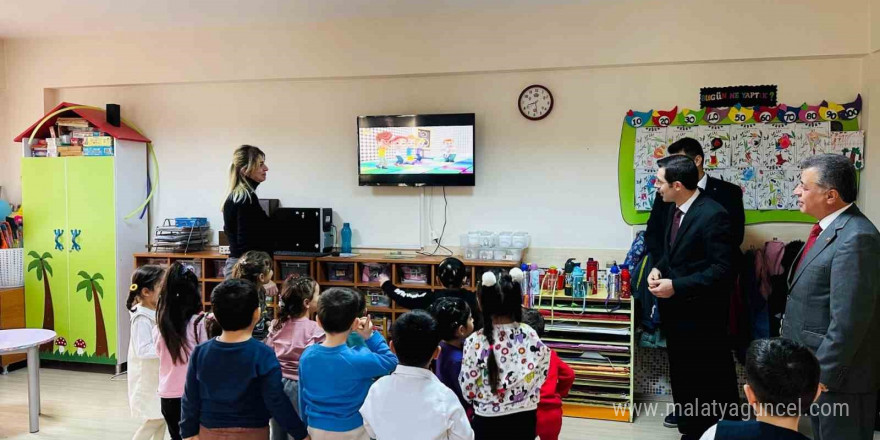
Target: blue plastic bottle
346 238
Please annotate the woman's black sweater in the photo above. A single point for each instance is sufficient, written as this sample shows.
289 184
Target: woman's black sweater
247 226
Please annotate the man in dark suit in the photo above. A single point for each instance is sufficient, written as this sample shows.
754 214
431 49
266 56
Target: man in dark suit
690 281
727 194
842 327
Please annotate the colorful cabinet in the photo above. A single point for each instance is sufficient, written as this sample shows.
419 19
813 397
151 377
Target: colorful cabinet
77 250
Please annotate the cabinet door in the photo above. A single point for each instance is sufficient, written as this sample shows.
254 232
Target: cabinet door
92 226
44 195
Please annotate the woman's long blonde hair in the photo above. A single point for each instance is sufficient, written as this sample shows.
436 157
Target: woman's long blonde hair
244 161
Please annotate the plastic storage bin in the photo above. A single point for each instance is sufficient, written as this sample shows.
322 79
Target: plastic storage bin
342 272
473 238
505 239
370 272
488 239
472 253
379 300
194 265
293 269
520 240
414 274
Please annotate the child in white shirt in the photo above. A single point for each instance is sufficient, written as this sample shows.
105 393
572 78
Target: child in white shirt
143 363
411 403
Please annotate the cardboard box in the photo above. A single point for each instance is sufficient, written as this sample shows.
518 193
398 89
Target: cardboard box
97 151
98 141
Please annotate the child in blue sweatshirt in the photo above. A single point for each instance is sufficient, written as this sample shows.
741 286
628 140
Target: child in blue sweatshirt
233 383
335 378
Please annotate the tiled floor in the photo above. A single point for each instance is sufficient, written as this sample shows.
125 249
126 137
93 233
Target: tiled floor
80 403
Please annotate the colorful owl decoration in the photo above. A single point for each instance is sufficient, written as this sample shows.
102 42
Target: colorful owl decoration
664 118
851 110
716 115
638 119
788 114
740 115
690 117
830 111
808 113
765 114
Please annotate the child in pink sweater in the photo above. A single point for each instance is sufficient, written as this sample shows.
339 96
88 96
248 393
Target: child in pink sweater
180 327
291 333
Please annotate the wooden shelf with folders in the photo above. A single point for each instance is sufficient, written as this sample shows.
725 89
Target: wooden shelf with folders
595 336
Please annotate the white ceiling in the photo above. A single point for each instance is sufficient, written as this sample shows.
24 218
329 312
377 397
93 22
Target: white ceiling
35 18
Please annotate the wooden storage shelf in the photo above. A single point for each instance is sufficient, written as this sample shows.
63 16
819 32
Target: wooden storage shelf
210 261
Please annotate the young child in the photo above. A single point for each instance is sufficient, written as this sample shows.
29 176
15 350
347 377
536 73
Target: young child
143 363
256 267
291 333
560 377
451 272
782 381
233 384
335 378
180 327
504 364
455 323
411 403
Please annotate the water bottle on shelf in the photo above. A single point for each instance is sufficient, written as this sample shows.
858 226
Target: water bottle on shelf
524 285
346 238
593 276
625 289
534 283
614 281
578 288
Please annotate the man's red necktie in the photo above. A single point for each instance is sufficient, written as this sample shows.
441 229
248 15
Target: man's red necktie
814 234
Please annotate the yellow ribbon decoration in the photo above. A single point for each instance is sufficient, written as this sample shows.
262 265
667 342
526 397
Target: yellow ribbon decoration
155 178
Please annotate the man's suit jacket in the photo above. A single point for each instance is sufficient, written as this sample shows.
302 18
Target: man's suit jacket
728 195
699 265
841 324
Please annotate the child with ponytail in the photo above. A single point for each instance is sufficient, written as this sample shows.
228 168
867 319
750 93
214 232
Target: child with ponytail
180 327
290 334
504 363
143 363
256 267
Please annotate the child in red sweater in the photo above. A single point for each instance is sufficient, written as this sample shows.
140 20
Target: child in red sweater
560 377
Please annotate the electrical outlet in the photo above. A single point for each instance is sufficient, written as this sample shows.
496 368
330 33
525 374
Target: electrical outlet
434 236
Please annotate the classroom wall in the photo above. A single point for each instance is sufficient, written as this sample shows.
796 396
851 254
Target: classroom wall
296 92
307 130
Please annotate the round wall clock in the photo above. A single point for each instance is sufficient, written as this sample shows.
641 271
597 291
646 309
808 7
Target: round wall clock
535 102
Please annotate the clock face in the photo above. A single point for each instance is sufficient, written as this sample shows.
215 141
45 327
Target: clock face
535 102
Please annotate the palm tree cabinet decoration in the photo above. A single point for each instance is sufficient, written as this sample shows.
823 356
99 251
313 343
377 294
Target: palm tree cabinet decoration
92 289
80 238
40 263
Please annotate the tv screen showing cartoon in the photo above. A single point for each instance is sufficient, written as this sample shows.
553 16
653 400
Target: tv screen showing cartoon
416 150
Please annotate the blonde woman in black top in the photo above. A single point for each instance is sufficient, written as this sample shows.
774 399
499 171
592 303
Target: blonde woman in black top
245 223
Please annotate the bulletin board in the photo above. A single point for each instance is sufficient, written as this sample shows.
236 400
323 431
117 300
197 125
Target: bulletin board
757 148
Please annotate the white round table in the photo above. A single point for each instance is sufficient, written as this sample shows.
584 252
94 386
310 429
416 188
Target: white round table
28 340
